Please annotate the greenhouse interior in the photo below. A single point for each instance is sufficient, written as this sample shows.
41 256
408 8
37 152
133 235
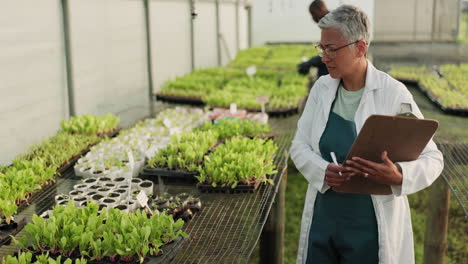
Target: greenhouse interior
195 131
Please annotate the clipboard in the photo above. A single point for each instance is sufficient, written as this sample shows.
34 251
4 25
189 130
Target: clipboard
404 138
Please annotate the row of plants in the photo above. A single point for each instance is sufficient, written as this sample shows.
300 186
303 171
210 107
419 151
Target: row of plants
457 76
239 160
91 124
36 168
124 155
447 86
57 150
27 258
278 57
18 183
100 235
227 128
274 76
186 151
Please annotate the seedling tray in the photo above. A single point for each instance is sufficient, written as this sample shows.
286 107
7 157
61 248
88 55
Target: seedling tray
413 82
12 229
240 188
448 110
178 175
169 251
179 99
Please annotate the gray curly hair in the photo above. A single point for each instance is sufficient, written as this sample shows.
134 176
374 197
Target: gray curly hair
351 21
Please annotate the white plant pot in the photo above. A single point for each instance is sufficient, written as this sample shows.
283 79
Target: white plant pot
104 191
86 172
90 181
90 194
63 203
62 197
147 187
122 207
109 202
75 193
78 170
97 173
78 200
132 204
115 195
136 182
119 181
94 187
84 203
81 187
123 193
97 198
110 185
104 179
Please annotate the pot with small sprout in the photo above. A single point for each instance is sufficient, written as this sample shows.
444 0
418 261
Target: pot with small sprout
62 197
78 200
147 187
122 207
81 187
136 182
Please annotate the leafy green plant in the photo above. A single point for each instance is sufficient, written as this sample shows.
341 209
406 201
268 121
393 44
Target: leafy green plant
57 150
110 233
26 258
239 160
90 124
186 151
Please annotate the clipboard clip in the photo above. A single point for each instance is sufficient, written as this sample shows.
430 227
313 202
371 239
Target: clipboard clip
406 110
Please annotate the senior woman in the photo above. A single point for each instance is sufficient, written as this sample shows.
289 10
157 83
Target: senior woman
343 227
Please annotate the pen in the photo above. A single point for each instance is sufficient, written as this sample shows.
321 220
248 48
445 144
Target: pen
332 154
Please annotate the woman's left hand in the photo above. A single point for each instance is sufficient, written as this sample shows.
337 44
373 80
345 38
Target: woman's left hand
386 172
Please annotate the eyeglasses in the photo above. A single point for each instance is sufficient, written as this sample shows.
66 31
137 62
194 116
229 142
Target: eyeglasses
330 52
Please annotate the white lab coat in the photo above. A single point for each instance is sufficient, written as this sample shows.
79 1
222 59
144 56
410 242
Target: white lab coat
382 95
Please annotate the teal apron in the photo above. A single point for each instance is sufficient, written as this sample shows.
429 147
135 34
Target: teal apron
344 227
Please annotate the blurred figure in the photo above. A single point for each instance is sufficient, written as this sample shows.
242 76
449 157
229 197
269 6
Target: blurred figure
317 10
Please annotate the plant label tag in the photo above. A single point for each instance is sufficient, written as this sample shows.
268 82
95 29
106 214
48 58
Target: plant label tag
233 108
167 122
142 199
262 99
131 160
251 70
304 59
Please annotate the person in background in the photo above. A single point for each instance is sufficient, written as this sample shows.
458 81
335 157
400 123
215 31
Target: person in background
317 10
347 228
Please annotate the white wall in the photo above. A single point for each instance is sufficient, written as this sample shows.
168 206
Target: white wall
243 28
227 13
109 58
33 92
290 21
170 33
205 35
109 55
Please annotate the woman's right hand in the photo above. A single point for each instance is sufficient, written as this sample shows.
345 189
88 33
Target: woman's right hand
333 177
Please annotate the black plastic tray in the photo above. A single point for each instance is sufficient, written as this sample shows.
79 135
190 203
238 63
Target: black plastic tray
240 188
179 99
448 110
176 175
5 238
168 253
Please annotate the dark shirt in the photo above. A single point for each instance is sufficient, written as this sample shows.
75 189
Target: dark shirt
317 62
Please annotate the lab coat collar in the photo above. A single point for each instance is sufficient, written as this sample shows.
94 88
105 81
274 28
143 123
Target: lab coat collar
372 82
